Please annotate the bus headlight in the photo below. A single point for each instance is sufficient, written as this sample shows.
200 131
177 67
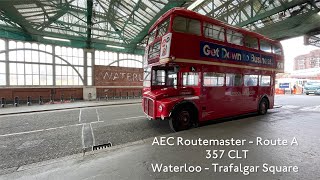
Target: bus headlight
160 108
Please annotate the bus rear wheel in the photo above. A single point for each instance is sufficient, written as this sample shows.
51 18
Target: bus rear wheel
181 120
263 107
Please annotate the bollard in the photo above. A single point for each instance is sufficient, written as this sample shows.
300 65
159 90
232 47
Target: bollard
16 101
3 102
29 101
62 98
40 100
127 95
120 95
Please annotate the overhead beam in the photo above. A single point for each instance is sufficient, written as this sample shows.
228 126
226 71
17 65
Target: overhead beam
136 7
63 10
110 20
292 27
283 7
13 15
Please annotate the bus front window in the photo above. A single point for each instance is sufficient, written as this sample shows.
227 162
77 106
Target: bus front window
164 77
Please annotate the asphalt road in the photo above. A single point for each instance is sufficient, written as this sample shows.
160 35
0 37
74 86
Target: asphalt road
30 138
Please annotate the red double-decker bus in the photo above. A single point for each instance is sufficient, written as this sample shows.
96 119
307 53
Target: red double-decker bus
198 69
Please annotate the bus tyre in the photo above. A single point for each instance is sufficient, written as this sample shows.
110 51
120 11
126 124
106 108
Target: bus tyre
181 120
263 107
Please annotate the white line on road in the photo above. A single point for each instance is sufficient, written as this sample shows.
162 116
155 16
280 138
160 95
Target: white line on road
93 139
80 116
82 136
130 118
40 130
97 115
61 127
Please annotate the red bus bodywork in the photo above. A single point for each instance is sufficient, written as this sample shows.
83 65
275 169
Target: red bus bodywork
197 53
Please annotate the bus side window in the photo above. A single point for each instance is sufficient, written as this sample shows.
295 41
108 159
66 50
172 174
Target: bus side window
213 79
233 80
265 81
213 31
251 42
265 46
250 80
234 37
190 79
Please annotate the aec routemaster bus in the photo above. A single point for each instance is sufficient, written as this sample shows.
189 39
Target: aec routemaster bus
197 69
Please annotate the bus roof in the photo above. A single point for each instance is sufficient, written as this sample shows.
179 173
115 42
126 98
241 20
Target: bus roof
194 15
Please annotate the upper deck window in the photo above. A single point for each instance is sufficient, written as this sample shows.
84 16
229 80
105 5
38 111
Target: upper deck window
251 42
234 37
186 25
213 31
277 49
265 46
152 36
154 50
163 28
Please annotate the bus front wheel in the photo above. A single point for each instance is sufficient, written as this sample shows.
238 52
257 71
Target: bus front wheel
181 120
263 107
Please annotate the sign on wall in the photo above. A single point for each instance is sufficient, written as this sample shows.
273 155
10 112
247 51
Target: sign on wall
117 76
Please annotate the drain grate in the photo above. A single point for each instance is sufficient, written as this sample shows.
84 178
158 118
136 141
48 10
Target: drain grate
102 146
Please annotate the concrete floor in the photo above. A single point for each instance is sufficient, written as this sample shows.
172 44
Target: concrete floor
298 118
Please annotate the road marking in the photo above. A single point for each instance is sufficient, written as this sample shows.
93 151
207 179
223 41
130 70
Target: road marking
93 139
40 130
82 136
97 115
120 105
61 127
80 116
130 118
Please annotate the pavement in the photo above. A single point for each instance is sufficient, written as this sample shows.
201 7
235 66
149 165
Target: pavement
9 109
286 139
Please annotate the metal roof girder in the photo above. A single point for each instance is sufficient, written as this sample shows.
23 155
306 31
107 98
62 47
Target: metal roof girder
271 12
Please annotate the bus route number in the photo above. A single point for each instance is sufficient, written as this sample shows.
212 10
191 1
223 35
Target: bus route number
232 154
